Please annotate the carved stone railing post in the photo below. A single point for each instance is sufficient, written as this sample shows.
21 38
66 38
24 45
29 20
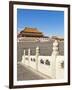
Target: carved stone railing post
55 48
37 54
28 56
53 58
23 58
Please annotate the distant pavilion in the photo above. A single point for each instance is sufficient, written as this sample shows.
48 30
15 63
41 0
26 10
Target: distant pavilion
33 34
30 32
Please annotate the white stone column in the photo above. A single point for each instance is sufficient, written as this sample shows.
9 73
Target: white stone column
55 48
29 57
53 58
23 58
37 54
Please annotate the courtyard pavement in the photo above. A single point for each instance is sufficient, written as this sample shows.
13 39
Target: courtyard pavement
25 73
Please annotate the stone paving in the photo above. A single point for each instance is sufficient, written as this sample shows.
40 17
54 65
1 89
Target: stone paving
24 73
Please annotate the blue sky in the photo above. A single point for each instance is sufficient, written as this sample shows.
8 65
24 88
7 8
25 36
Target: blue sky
46 21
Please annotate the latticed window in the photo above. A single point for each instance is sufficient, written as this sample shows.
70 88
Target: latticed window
41 61
47 62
